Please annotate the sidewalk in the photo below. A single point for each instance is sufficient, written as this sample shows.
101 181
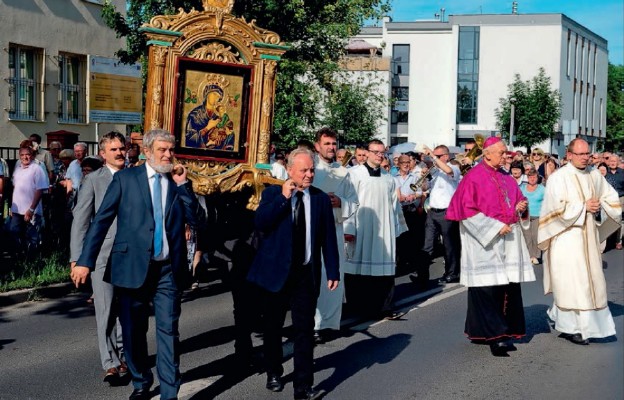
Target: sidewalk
405 292
47 292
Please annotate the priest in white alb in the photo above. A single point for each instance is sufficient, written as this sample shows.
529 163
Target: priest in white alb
494 256
332 178
371 254
570 235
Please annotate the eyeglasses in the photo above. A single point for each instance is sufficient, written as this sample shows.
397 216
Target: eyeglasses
376 152
537 154
440 155
404 162
581 154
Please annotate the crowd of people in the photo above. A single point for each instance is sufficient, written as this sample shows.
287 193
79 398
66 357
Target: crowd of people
333 236
40 201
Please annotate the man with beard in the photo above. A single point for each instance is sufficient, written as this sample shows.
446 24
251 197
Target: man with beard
92 190
332 178
152 204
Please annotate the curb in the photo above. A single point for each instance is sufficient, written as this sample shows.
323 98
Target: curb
47 292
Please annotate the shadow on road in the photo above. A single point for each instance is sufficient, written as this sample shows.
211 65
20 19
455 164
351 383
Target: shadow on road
537 321
74 306
616 309
361 355
5 341
229 369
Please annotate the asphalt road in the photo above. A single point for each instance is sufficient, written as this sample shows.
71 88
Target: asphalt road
48 351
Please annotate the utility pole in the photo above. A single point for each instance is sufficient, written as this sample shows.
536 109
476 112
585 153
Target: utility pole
512 121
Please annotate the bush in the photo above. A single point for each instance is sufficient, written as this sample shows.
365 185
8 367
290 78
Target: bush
46 270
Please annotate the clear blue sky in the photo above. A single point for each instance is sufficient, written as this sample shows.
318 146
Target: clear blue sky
603 17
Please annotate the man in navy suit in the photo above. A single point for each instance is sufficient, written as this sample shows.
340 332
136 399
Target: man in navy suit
148 257
296 222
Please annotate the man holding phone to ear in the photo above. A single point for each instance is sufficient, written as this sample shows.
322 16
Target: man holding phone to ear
296 222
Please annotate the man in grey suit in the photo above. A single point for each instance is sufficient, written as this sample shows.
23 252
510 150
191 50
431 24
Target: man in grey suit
92 190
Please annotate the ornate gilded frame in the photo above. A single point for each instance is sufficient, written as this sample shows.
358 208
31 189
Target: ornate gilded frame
215 36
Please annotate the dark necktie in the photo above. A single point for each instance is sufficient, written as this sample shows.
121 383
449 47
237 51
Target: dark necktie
299 231
158 215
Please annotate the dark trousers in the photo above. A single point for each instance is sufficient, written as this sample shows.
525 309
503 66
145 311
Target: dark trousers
436 225
369 296
300 293
246 298
161 289
409 242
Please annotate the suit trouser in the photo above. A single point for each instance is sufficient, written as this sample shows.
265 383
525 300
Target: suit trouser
110 341
437 224
300 292
161 289
412 239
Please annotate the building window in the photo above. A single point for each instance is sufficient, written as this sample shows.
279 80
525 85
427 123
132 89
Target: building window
72 100
468 74
576 56
400 59
595 63
399 117
400 93
25 83
568 51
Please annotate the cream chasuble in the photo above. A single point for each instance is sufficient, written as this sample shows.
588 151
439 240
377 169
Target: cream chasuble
570 237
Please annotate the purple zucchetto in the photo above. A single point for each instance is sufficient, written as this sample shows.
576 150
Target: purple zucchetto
491 140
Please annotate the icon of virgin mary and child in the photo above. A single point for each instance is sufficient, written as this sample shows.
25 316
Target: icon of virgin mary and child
208 125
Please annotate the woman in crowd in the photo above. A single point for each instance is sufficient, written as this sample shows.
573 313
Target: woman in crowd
550 166
534 192
517 172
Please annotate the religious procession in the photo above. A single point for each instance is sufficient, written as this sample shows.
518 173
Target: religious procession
321 228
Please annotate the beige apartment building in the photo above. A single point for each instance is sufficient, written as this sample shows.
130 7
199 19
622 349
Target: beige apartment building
47 48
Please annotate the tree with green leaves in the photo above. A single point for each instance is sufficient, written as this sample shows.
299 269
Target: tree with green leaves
615 109
537 110
317 32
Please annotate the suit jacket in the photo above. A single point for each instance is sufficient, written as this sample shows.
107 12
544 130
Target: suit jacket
90 196
274 222
129 200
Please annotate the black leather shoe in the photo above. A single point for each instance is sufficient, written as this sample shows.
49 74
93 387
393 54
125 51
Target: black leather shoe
309 394
576 338
442 279
274 383
318 337
140 394
499 349
421 285
451 279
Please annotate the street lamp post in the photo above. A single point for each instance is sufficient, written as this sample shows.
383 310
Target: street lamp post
512 120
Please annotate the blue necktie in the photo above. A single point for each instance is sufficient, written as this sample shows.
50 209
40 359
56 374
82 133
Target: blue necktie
158 215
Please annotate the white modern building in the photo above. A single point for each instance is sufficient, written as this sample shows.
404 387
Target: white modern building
474 58
45 82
